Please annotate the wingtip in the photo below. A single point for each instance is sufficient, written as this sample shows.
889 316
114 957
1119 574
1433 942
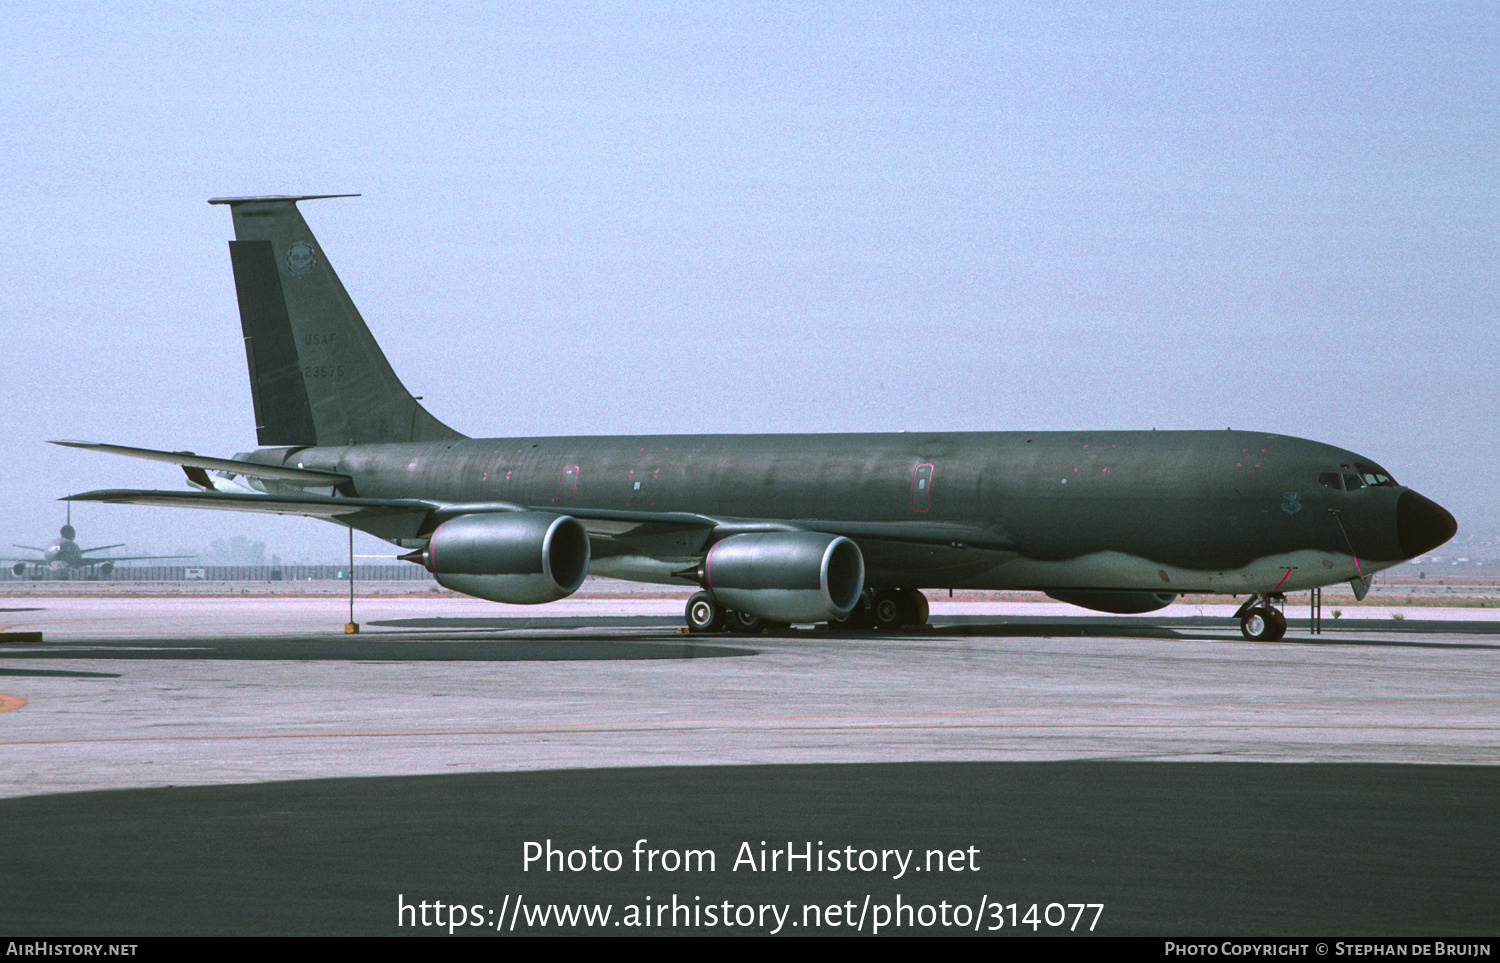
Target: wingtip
98 495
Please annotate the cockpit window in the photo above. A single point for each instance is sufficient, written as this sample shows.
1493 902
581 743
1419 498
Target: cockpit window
1374 476
1355 477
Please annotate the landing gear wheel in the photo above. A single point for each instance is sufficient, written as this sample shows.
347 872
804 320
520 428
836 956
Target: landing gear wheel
918 605
891 609
743 622
1263 624
705 614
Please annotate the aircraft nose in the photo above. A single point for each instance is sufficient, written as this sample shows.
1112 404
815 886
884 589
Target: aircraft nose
1422 524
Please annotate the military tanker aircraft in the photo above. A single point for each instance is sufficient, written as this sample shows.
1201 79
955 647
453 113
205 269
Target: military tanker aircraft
846 529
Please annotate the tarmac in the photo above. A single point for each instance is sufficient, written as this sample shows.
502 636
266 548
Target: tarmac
197 765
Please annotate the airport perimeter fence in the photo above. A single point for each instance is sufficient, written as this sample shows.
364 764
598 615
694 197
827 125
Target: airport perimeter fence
239 573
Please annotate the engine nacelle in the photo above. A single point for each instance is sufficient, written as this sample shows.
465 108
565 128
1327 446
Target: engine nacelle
786 576
18 569
1118 603
107 568
524 558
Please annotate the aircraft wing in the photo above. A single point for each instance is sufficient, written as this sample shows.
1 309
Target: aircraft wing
387 517
382 517
951 535
622 524
416 517
129 558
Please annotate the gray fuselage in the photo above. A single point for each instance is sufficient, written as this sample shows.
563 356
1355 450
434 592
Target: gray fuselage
1198 511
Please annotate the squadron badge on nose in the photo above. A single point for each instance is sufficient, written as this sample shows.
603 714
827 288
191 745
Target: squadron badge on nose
1291 502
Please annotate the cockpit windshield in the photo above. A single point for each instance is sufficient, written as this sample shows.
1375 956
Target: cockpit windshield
1354 477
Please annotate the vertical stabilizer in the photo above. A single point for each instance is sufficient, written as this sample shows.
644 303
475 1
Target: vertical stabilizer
316 373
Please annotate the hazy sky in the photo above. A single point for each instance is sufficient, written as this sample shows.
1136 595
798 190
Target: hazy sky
637 217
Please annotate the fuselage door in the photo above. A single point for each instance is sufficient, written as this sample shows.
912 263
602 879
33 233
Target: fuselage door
567 487
921 488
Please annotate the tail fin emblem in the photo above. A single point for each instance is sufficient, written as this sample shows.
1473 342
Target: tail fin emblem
299 260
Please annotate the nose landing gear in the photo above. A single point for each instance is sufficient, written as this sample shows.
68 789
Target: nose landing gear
1260 620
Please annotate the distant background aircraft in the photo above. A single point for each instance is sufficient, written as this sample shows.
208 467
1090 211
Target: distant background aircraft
65 557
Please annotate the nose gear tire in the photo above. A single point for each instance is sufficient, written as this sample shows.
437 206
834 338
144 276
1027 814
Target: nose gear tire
1263 624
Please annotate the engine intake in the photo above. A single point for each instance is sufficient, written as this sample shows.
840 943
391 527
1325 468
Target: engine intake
786 576
524 558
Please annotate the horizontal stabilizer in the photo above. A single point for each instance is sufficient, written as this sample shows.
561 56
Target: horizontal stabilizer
187 459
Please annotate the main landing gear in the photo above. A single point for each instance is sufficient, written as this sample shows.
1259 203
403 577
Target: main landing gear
892 609
886 610
1260 620
705 614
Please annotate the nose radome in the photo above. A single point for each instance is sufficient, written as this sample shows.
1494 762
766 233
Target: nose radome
1422 524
